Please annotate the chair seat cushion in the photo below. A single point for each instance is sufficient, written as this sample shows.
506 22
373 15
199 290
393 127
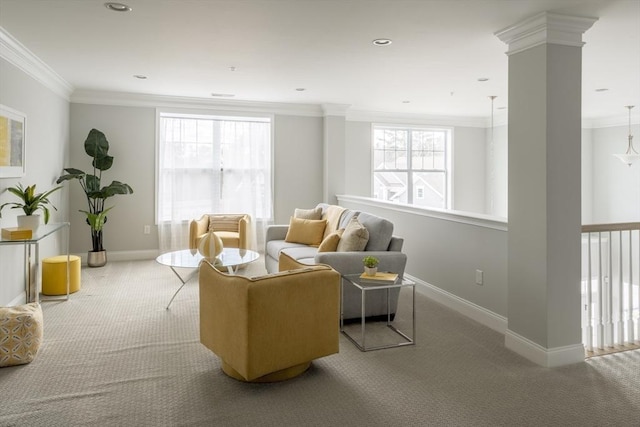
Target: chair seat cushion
21 333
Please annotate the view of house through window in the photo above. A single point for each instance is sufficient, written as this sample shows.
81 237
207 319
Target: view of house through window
411 165
212 164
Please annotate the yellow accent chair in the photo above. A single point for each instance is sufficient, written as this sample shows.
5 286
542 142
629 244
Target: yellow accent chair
269 328
233 229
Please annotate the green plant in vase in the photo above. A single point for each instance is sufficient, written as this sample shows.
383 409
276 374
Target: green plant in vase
97 147
30 203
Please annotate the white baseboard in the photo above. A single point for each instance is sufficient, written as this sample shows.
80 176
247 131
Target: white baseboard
518 344
547 357
480 314
125 255
19 300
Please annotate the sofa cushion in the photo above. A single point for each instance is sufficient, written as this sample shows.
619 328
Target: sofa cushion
305 231
380 231
330 243
315 213
354 238
300 253
274 247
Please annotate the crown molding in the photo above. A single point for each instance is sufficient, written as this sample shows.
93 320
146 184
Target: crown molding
544 28
126 99
17 54
335 109
416 119
610 121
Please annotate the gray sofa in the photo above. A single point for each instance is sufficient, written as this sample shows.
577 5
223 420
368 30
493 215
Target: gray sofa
382 244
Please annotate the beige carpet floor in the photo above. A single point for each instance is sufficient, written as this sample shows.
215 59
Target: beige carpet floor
113 356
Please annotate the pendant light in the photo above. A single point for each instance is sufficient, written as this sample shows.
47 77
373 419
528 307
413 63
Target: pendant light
631 155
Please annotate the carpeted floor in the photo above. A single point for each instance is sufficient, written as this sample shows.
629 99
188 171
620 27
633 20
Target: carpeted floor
113 356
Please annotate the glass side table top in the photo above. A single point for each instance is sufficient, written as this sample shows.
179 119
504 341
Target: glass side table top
230 257
369 283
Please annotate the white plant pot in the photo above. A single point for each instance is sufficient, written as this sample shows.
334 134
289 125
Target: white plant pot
32 222
370 271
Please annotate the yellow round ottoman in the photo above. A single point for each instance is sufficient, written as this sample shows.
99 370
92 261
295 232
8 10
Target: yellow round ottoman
54 275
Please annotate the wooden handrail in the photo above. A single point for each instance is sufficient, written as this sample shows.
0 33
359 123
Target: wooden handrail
622 226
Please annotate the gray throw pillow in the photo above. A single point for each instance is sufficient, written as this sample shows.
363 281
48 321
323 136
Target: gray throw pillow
354 238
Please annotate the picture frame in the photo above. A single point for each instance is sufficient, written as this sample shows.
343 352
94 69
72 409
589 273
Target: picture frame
13 145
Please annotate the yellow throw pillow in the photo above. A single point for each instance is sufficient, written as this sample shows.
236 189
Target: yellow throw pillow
305 231
330 243
20 333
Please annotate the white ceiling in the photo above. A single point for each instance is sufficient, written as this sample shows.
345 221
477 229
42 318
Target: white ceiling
440 48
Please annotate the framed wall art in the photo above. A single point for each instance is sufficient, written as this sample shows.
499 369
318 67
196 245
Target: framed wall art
12 143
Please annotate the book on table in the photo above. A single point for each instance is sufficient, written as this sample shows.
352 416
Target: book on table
16 233
380 277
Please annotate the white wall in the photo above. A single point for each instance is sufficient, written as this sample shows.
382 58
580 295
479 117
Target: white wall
587 177
616 187
496 172
469 169
47 135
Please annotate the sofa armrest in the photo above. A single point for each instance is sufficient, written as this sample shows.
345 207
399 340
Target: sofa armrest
197 228
351 262
276 232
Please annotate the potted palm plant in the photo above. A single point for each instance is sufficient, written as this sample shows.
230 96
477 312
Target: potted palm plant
97 147
31 202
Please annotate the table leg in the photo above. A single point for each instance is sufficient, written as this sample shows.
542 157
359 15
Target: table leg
184 282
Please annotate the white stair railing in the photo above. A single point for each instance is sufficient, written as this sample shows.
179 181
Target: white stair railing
610 285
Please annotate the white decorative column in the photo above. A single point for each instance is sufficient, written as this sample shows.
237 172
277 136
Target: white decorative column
334 151
543 303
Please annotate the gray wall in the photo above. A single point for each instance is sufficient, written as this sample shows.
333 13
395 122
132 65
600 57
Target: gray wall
47 135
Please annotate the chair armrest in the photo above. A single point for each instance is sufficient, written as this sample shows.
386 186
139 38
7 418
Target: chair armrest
244 232
197 228
351 262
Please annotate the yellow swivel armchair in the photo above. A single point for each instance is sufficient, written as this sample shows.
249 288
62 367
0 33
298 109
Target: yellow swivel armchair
233 229
270 328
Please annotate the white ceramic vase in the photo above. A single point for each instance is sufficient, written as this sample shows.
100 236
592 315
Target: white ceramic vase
32 222
210 246
370 271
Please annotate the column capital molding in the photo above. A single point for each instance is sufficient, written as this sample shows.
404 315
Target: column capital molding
335 109
544 28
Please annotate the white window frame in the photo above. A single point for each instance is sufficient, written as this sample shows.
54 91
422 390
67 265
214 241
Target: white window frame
216 114
448 170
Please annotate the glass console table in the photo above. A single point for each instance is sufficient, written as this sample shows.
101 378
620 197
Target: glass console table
32 258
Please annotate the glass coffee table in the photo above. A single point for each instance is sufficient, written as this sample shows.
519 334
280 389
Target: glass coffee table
230 259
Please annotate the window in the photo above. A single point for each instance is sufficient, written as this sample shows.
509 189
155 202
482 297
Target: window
411 165
213 164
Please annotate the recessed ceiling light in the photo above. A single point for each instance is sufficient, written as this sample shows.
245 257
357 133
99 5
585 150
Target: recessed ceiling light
483 79
140 77
602 89
300 89
232 68
117 7
223 95
382 42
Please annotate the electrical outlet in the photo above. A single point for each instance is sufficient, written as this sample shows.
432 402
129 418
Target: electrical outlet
479 277
147 229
